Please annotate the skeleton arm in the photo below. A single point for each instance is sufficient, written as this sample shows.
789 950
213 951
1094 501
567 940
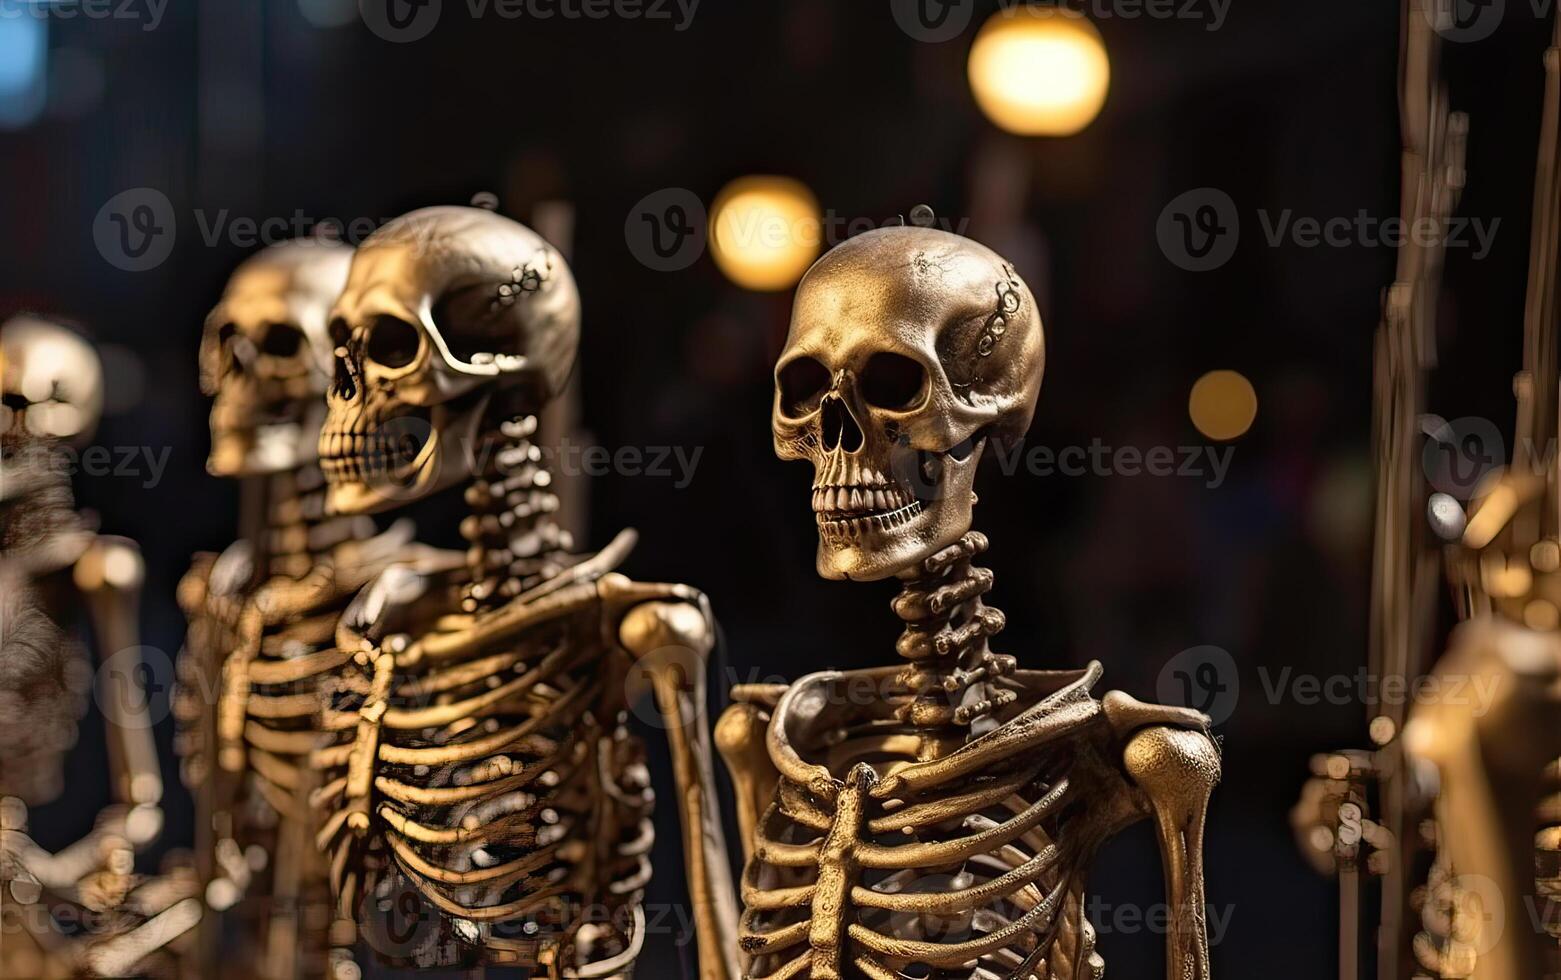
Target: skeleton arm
670 639
740 736
109 575
1172 760
1491 749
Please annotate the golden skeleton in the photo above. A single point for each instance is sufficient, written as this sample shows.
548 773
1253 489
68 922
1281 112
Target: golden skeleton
482 763
1469 777
53 563
937 818
262 615
1499 806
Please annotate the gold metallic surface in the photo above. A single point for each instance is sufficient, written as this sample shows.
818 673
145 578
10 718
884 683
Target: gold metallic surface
481 763
1501 853
908 820
262 614
55 569
1360 815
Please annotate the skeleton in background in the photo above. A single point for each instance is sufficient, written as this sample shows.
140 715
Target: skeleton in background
487 767
1494 749
937 818
262 615
53 567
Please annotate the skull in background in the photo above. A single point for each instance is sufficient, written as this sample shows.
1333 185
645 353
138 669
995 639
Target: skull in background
445 309
52 380
909 349
265 357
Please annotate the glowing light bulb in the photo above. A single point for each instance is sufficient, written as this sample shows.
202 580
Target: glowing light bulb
1039 71
1222 405
765 232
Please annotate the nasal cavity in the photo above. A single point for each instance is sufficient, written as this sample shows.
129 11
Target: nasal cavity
342 384
840 429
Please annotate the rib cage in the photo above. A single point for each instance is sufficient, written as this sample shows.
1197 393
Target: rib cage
929 829
491 769
976 873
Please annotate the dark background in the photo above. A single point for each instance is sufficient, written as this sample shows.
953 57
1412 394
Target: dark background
246 106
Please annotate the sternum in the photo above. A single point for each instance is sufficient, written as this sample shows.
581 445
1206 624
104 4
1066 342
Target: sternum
837 874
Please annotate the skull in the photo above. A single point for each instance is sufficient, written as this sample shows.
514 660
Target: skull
52 380
265 357
909 349
445 309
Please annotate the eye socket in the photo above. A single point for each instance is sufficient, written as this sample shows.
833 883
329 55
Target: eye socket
225 334
282 340
802 384
392 343
892 381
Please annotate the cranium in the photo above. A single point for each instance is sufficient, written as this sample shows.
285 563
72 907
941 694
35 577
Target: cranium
52 379
265 357
444 308
909 349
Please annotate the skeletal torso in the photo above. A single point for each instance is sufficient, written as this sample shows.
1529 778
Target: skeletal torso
924 814
490 770
962 864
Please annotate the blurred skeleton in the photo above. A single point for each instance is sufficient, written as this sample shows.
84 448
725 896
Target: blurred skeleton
54 567
937 819
487 773
262 614
1469 776
1499 807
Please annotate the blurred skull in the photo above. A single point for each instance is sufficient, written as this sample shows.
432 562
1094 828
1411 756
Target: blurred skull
52 380
909 349
265 357
445 308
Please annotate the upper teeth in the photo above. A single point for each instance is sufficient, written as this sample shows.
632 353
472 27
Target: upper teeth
859 499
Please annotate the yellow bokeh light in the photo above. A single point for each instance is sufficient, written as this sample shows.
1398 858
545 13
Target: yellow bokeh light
765 232
1039 71
1223 405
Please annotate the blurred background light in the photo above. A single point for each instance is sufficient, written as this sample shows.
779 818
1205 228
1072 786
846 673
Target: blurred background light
1223 405
765 231
1039 71
24 63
